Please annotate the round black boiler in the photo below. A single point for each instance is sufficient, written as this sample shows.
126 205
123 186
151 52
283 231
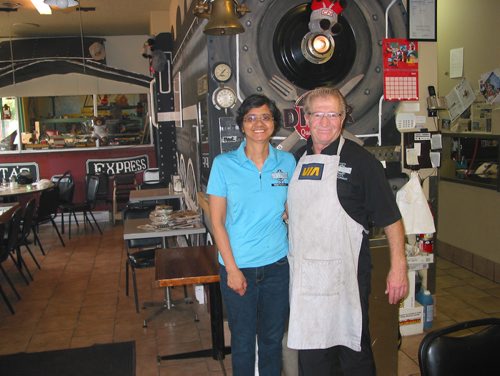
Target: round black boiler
271 47
293 64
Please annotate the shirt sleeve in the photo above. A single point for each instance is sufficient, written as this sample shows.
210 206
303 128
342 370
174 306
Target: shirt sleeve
381 203
216 182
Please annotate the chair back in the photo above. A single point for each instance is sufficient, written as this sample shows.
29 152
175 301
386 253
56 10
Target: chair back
48 204
103 191
442 352
133 213
14 229
66 185
28 213
92 189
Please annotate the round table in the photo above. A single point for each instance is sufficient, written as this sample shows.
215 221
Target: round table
9 194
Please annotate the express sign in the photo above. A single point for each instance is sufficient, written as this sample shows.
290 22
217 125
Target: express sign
117 166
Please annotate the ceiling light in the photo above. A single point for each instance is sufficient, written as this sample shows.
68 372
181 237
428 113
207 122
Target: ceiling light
61 3
41 7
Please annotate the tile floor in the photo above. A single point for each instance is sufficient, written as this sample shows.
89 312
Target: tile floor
78 299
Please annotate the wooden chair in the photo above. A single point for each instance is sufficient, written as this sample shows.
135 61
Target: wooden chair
122 185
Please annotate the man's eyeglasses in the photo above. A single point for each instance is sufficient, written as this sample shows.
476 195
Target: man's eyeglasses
317 116
266 118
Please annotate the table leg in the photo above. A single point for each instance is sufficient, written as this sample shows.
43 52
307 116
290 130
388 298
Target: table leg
218 350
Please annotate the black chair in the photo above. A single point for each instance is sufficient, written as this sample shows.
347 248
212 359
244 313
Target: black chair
6 247
66 186
443 352
86 207
48 206
144 254
26 228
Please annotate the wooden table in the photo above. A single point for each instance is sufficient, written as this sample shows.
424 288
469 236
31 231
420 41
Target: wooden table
8 192
195 265
132 231
154 194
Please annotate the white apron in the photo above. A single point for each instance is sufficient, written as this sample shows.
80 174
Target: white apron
325 308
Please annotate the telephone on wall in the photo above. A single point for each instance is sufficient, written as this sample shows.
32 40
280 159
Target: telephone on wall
434 103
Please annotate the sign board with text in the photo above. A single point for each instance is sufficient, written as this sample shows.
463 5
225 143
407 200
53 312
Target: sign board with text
117 166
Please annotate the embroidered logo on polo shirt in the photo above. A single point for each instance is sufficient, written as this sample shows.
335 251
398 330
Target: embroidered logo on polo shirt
311 171
281 176
344 171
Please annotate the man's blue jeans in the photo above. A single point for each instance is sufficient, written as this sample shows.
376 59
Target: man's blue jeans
261 312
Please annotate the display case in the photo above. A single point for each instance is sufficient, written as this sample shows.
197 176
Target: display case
80 121
471 158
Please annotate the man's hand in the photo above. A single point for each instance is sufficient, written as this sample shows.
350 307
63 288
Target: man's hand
397 279
397 284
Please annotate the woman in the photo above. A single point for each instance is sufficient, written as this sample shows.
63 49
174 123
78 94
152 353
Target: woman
248 189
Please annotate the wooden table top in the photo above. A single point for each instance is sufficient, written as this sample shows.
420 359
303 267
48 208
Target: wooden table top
24 189
186 266
139 195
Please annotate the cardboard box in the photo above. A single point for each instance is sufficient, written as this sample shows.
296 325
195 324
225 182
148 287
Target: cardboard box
199 293
409 301
411 320
422 258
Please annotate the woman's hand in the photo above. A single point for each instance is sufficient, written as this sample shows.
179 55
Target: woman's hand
237 282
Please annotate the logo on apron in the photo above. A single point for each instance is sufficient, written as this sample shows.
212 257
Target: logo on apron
311 171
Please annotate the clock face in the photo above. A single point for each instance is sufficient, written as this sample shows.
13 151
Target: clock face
224 98
222 72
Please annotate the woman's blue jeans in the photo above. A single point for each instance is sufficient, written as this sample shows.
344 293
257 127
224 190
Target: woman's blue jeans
261 312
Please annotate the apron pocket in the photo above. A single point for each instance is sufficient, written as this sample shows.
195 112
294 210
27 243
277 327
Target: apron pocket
321 277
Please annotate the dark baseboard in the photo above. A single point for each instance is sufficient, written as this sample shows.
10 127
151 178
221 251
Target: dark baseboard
484 267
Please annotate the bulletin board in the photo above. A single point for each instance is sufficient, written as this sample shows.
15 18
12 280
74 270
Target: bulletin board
400 69
421 150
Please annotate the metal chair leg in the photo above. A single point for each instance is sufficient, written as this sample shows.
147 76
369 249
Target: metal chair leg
33 256
6 300
58 233
10 282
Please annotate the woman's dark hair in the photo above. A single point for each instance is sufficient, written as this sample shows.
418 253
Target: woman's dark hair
254 101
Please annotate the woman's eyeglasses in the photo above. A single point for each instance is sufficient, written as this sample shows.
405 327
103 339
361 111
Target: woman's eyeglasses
266 118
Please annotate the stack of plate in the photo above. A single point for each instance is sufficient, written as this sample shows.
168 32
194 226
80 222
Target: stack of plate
160 215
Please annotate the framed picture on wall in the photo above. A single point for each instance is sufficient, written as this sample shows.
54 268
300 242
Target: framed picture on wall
422 20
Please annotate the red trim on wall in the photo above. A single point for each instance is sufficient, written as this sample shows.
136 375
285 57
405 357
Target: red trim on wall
53 163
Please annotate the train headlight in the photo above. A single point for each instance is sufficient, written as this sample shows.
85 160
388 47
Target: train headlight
318 47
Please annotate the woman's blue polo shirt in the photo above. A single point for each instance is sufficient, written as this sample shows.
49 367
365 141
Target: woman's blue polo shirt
255 204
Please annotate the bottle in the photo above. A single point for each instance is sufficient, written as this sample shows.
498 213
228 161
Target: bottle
13 182
424 297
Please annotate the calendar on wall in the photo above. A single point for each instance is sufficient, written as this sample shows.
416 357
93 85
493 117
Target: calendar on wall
400 69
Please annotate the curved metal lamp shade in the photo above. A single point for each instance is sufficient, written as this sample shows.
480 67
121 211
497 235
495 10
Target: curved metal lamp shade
61 3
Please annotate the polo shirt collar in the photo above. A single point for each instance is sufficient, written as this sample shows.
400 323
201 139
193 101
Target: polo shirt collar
242 157
329 150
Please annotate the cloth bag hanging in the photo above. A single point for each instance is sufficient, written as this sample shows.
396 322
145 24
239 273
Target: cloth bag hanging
412 203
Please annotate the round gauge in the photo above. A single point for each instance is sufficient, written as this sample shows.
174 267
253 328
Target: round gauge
222 72
223 98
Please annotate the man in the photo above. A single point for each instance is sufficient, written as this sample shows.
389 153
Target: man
337 191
